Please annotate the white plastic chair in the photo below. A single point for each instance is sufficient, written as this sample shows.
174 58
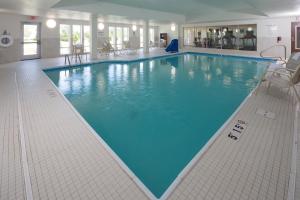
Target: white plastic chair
283 78
291 64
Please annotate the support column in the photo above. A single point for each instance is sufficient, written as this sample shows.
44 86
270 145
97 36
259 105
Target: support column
93 39
146 36
180 35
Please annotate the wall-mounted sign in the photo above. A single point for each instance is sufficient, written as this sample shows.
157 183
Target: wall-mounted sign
101 34
6 40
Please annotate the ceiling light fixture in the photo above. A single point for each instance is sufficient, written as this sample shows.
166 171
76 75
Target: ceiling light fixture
101 26
134 28
51 23
173 27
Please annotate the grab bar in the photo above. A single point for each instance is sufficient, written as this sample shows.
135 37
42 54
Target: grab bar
278 45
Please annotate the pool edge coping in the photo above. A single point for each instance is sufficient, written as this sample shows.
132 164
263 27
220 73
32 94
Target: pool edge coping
184 172
50 68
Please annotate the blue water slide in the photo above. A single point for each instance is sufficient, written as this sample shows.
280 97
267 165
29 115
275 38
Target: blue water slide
173 46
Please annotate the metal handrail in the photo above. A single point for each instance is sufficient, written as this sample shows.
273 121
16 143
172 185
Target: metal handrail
277 45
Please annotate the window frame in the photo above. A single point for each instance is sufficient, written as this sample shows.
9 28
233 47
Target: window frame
71 40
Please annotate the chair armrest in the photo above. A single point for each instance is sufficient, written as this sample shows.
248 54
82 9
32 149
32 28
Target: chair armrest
284 73
284 70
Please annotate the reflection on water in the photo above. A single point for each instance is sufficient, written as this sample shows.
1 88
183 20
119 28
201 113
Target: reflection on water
205 69
75 80
151 65
227 80
173 73
179 101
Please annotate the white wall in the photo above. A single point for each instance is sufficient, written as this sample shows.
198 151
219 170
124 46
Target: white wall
49 37
265 37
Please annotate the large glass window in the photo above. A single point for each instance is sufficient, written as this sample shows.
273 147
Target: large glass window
65 38
248 37
112 36
74 35
240 37
151 36
86 38
117 36
141 37
188 36
125 34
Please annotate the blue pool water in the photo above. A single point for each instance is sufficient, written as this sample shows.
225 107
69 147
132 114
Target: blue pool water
157 114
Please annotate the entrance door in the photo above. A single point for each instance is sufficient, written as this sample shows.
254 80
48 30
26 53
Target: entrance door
295 37
31 34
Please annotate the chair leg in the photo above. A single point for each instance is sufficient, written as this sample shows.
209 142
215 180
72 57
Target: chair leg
268 87
257 89
296 93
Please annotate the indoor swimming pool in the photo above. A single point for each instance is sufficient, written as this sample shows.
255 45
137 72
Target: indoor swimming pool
157 114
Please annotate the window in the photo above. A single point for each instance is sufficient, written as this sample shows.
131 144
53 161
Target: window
65 38
239 37
188 36
151 36
125 34
86 38
76 34
112 36
117 36
141 38
72 35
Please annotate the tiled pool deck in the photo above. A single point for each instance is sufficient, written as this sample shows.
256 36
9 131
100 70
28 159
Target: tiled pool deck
65 160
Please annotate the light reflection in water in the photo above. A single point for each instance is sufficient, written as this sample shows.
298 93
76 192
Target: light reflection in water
117 73
63 84
134 74
87 78
238 72
141 67
101 82
207 76
218 71
205 68
227 80
151 65
173 73
191 73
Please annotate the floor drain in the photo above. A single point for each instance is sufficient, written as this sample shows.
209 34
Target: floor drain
265 113
51 93
238 129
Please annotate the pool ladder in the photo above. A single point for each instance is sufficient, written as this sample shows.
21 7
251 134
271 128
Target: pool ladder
274 46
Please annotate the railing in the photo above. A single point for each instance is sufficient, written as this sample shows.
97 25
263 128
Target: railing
278 45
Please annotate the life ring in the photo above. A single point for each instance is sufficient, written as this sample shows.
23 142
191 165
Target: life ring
6 40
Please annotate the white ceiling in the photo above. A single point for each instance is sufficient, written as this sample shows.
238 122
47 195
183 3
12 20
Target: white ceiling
156 10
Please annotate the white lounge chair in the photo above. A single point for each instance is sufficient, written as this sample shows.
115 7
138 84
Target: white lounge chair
283 78
290 64
107 49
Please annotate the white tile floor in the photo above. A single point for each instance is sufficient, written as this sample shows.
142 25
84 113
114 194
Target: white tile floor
66 161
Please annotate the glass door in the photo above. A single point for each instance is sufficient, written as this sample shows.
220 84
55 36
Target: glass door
295 39
31 40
